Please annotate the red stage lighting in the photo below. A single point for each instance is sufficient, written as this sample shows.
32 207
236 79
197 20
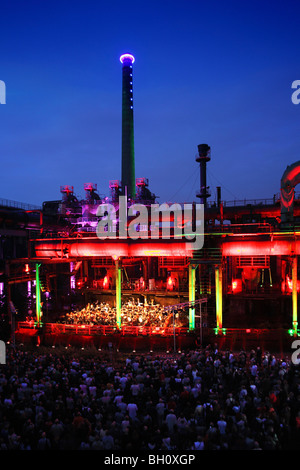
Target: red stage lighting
288 285
105 283
170 283
142 283
236 286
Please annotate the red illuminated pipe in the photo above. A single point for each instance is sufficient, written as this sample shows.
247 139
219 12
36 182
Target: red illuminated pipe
258 248
64 249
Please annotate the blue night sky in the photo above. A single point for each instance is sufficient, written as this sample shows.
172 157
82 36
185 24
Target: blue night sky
215 72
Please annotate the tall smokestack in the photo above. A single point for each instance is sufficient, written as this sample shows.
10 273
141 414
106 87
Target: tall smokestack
128 165
203 158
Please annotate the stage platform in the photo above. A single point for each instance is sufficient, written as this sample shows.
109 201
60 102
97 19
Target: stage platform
147 339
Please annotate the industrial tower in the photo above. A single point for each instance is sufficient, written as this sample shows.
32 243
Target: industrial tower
128 164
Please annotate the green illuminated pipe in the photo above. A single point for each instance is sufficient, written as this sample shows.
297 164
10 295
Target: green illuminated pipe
192 285
38 293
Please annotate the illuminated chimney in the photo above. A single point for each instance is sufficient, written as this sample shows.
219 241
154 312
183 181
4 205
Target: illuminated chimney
203 157
128 164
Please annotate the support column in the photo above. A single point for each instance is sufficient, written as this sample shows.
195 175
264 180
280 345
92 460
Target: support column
192 286
219 296
118 292
295 296
38 294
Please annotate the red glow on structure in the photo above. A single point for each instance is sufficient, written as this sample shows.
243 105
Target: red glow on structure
289 180
106 282
59 249
81 283
142 283
293 176
257 248
287 286
236 286
170 283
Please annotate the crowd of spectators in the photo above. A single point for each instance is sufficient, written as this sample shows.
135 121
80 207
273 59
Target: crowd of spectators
202 399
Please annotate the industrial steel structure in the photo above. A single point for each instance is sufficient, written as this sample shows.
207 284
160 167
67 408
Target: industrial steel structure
244 277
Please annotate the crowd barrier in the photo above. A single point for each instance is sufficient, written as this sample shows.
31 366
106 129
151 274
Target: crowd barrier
103 330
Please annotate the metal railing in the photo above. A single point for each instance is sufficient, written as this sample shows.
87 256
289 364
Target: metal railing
252 202
18 205
102 330
245 202
232 203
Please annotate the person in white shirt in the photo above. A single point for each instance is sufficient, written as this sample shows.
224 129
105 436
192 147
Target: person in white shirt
171 421
132 410
222 424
